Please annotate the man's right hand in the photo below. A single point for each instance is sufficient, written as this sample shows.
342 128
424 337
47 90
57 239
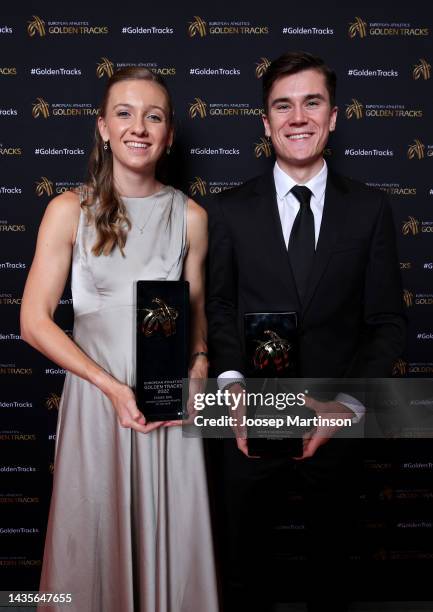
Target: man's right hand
238 410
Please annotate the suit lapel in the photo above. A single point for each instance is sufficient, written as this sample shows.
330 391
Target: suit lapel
269 224
333 212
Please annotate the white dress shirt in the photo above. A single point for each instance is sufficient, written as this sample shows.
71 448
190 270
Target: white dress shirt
288 204
288 207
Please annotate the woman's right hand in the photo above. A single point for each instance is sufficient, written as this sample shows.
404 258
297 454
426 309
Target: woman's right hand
123 399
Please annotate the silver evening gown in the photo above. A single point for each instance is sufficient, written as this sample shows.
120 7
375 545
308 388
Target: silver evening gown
129 527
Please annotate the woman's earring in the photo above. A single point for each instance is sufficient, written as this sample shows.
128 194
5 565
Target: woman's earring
106 145
168 150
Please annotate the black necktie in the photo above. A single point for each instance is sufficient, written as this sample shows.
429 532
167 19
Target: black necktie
302 241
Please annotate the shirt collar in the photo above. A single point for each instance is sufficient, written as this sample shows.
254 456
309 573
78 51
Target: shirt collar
284 182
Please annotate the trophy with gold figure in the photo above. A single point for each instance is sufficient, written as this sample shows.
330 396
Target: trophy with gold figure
162 339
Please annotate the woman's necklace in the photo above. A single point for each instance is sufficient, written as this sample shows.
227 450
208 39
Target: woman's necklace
141 228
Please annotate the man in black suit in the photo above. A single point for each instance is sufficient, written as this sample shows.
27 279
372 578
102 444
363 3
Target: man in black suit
300 238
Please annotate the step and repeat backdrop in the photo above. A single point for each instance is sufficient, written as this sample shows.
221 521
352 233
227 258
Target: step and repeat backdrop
54 63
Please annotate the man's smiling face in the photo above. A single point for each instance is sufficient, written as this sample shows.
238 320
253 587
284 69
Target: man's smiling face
298 120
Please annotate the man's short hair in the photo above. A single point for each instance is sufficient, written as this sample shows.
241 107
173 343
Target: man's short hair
293 62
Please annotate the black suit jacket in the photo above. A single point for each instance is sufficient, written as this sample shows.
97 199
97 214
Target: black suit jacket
352 322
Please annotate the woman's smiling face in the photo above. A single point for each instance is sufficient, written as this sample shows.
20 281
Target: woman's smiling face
137 124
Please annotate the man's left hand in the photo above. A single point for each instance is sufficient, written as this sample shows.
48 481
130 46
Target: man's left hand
320 435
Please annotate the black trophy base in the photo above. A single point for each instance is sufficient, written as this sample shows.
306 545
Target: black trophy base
268 448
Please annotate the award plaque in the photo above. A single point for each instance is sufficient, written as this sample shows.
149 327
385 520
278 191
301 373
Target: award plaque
271 343
162 353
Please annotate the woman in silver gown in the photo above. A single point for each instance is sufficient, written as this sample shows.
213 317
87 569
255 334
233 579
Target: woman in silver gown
129 526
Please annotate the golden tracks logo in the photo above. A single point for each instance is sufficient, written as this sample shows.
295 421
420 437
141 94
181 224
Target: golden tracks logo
262 66
201 28
202 109
198 186
400 368
419 299
356 109
411 226
108 67
197 108
198 26
40 109
36 26
263 148
408 298
44 186
416 150
390 29
422 70
358 28
104 67
53 401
